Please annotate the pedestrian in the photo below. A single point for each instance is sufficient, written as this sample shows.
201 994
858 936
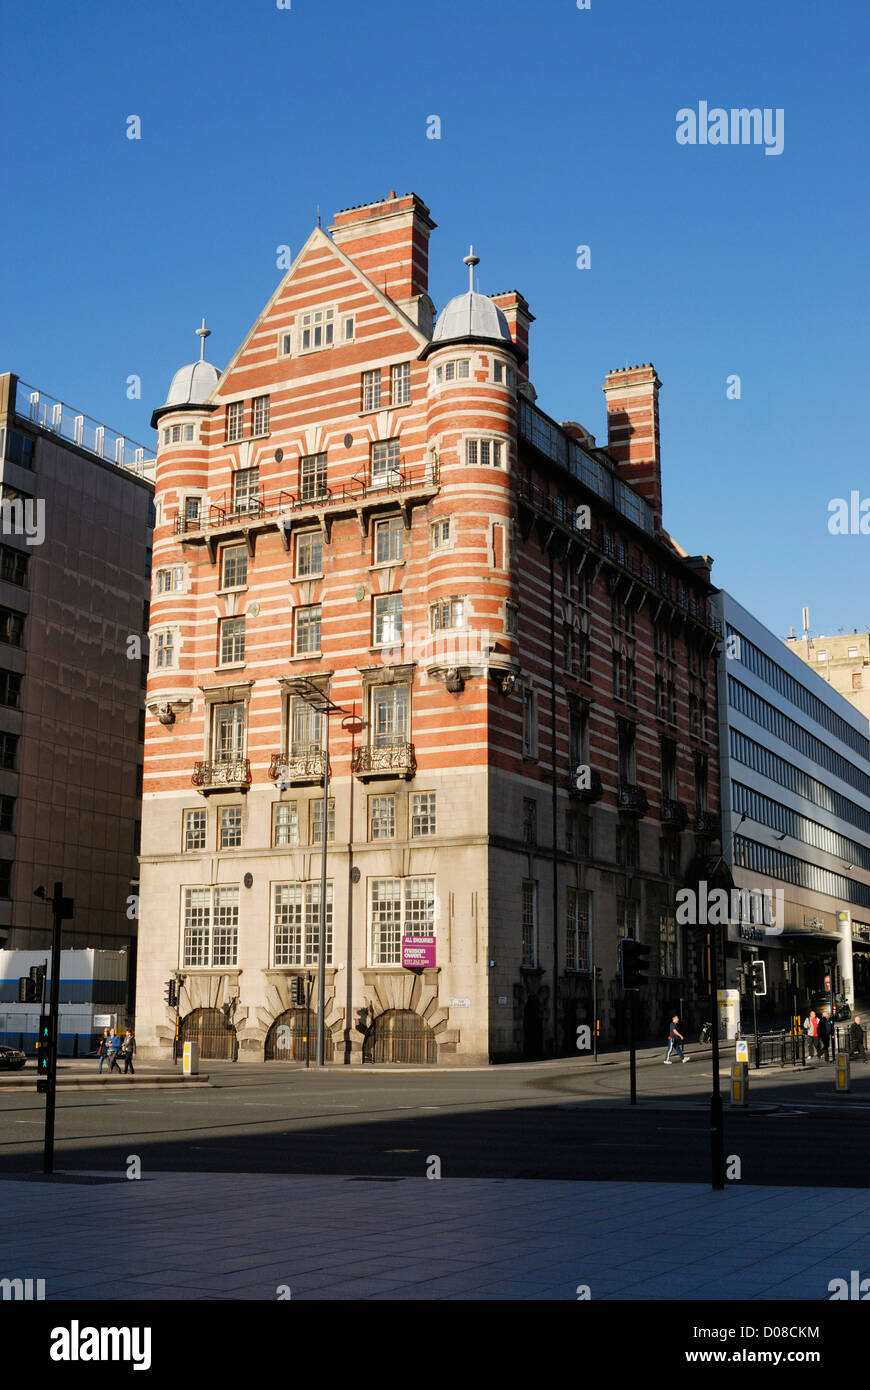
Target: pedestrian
102 1047
857 1045
675 1041
823 1035
811 1028
113 1047
128 1052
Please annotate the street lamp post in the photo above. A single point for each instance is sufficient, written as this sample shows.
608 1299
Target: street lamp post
307 689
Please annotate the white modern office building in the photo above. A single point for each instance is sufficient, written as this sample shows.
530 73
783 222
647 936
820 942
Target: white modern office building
795 776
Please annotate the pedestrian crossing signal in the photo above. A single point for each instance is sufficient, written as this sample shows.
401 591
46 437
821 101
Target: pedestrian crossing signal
43 1046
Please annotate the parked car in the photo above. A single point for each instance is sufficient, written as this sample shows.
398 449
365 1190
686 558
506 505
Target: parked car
11 1059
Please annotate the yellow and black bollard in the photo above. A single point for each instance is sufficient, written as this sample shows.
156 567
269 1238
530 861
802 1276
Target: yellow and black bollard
740 1083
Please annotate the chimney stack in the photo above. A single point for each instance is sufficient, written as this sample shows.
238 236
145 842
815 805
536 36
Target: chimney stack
632 396
519 318
389 241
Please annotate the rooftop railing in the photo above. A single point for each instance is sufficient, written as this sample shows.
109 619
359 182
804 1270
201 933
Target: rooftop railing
38 408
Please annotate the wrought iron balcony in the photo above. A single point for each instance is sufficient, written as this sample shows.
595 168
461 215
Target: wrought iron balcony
406 483
632 799
674 814
299 766
392 760
590 794
706 823
234 775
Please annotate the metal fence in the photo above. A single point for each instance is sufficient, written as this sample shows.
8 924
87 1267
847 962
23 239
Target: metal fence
783 1049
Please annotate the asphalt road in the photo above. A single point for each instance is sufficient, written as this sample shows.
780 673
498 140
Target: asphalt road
562 1120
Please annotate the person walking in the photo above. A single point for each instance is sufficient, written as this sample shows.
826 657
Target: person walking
102 1050
857 1045
675 1042
113 1047
128 1052
811 1028
823 1035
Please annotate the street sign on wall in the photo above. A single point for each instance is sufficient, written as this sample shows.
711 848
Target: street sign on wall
418 952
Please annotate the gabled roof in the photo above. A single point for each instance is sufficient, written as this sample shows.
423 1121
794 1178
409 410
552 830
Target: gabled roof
319 238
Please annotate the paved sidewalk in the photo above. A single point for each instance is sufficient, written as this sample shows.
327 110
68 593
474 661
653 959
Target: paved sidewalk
240 1236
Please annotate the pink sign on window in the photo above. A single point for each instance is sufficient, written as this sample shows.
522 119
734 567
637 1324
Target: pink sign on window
418 952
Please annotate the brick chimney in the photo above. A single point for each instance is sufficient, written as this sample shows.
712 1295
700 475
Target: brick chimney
389 241
632 396
516 311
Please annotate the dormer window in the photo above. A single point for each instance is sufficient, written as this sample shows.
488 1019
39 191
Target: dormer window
316 329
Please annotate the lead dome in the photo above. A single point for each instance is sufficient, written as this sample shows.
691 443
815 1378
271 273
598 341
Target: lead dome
471 315
193 384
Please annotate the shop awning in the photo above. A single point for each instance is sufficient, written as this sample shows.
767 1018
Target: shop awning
809 934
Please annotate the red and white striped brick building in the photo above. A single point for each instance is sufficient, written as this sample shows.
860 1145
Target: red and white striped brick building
373 501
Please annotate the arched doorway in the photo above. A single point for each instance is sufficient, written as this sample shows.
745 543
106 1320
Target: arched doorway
214 1033
400 1035
286 1039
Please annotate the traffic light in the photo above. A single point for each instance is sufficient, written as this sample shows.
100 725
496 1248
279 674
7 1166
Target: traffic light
37 975
44 1049
171 994
758 977
299 990
26 990
634 962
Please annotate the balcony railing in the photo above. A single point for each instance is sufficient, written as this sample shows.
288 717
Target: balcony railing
392 760
222 776
552 441
38 408
632 799
306 765
706 823
276 506
674 814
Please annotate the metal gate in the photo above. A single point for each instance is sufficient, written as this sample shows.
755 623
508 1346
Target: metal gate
214 1033
286 1039
400 1035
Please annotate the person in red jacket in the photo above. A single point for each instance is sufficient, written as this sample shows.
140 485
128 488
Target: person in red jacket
811 1028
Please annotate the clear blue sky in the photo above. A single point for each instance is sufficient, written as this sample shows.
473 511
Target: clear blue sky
558 129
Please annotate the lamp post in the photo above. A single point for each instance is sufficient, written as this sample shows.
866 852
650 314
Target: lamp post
307 689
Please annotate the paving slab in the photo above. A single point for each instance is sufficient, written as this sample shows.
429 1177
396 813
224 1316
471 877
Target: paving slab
221 1236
